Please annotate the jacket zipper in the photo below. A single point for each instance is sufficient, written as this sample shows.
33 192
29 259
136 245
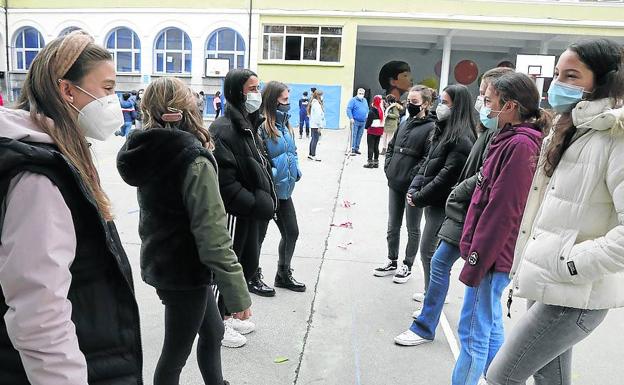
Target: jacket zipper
274 194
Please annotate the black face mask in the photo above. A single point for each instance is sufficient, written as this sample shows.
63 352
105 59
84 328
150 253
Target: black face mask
413 109
285 108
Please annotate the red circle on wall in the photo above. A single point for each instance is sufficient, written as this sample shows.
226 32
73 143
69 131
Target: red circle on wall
466 72
438 68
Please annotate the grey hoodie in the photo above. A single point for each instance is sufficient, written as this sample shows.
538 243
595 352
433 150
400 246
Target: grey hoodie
38 245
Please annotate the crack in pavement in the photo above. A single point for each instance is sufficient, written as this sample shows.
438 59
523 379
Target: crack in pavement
320 269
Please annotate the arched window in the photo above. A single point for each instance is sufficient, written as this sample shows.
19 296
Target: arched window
226 43
28 43
125 46
68 30
172 54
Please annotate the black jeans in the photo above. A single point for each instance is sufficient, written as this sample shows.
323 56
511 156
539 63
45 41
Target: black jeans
434 217
247 237
316 134
218 111
397 205
289 230
373 147
187 313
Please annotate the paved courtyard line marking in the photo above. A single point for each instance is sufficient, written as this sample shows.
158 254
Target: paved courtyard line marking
355 344
320 269
450 336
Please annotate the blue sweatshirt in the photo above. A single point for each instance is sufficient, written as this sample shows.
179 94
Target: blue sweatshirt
358 109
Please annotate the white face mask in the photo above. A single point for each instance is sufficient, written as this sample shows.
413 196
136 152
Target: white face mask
479 103
100 118
360 96
443 112
253 101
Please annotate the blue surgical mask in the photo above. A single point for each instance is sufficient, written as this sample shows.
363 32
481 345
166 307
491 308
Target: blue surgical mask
484 116
563 97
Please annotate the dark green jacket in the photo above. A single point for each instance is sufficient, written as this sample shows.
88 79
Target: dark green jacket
182 225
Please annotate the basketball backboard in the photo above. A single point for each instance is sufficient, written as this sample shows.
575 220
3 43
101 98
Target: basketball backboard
217 68
538 66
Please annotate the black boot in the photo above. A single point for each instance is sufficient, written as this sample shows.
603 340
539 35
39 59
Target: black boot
257 286
376 163
284 279
370 164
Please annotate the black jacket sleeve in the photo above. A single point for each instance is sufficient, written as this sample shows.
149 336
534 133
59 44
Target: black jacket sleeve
390 149
443 182
237 199
372 115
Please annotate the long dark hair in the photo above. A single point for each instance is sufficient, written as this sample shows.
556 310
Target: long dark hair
233 87
605 58
272 91
518 87
460 123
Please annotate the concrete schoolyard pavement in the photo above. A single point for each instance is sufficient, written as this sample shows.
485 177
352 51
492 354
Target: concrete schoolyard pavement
341 330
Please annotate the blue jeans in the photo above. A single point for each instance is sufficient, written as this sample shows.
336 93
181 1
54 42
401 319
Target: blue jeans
356 135
316 134
481 332
304 120
445 256
540 345
126 128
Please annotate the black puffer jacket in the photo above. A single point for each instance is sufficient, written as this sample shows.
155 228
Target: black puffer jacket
104 310
459 199
440 170
245 178
406 152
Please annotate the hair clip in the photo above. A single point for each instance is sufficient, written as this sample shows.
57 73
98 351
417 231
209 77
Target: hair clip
174 115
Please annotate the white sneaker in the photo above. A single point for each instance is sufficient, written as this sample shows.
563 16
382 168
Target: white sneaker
232 338
243 327
420 297
402 275
482 381
409 338
416 313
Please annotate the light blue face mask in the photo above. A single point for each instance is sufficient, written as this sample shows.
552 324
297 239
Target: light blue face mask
563 97
484 116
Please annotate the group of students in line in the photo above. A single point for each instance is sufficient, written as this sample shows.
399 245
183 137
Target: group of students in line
530 200
206 197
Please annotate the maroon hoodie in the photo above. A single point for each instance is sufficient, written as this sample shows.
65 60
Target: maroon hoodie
495 212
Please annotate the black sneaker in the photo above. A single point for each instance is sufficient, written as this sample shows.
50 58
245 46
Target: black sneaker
403 274
385 270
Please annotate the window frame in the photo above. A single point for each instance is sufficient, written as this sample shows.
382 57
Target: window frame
183 52
22 51
133 50
285 34
236 52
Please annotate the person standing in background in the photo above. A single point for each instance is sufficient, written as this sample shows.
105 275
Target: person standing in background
357 111
201 103
217 104
392 116
304 119
374 130
317 121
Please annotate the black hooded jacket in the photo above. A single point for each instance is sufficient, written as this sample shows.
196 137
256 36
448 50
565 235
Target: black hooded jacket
155 161
245 179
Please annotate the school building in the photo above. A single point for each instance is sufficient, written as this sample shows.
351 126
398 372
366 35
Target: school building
333 45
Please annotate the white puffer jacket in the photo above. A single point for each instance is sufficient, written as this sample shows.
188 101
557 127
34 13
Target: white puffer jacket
570 250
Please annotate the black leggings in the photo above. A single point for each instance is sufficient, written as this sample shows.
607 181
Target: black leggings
218 111
373 147
289 230
187 313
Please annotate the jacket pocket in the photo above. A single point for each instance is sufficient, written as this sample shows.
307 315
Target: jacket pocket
566 271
